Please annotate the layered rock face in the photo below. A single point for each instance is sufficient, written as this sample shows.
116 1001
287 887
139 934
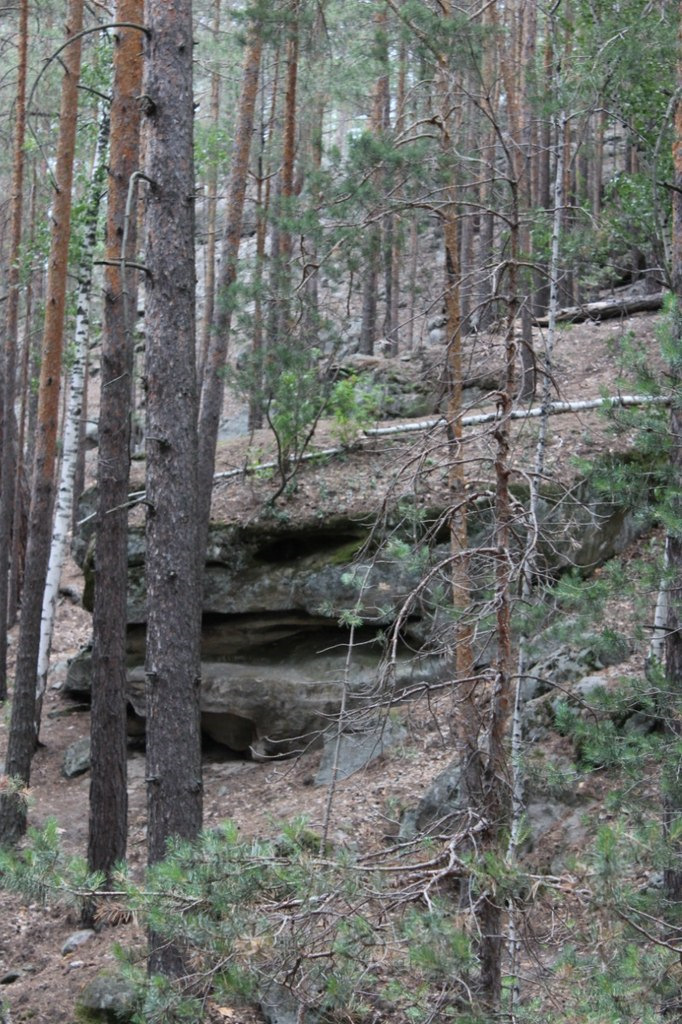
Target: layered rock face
275 657
278 601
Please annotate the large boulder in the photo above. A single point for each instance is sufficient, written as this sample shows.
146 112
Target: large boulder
279 706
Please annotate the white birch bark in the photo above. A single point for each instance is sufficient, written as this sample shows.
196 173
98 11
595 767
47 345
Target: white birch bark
65 496
553 409
656 655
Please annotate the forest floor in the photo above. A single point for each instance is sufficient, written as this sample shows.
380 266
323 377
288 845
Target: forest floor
38 980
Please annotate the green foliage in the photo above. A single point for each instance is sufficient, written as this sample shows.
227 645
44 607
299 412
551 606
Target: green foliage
41 872
253 912
670 336
294 404
599 728
162 1002
354 406
438 949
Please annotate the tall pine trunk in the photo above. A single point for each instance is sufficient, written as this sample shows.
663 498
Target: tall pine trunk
108 791
22 734
8 432
174 786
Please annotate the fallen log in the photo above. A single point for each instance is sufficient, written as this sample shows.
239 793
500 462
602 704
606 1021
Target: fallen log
553 409
605 309
475 420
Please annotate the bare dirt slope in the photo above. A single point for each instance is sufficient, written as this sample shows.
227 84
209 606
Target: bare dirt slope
41 983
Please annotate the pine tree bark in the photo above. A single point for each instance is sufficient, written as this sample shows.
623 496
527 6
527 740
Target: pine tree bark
174 787
8 430
22 734
108 791
24 450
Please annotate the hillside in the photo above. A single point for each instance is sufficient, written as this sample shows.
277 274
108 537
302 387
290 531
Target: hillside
42 982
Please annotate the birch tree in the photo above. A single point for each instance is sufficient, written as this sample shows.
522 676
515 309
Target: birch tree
71 432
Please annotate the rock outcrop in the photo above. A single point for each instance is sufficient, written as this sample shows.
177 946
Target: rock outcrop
278 600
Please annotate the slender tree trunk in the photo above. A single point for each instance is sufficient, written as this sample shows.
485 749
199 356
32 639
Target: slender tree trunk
465 132
672 784
279 311
542 199
174 787
368 328
413 266
310 163
263 197
393 318
486 241
466 724
211 215
310 268
79 473
108 790
39 292
65 493
8 431
213 389
21 488
22 734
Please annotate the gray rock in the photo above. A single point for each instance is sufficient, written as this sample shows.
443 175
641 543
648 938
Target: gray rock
77 758
588 686
279 1005
575 833
541 817
78 673
76 940
356 750
108 997
639 724
538 718
439 804
579 530
284 704
562 666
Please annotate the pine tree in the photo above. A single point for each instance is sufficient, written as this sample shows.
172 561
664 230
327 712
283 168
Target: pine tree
174 788
108 791
23 731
